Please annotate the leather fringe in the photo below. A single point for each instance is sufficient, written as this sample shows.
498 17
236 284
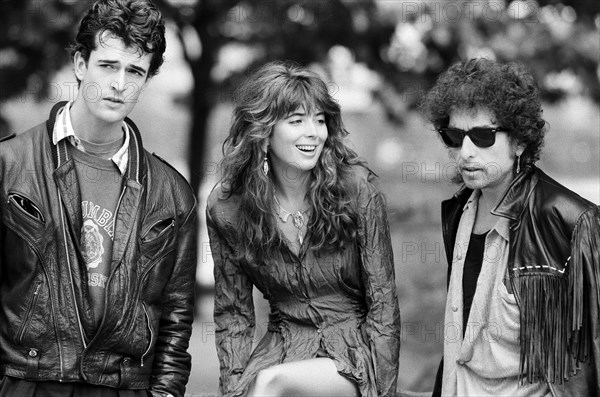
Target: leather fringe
555 310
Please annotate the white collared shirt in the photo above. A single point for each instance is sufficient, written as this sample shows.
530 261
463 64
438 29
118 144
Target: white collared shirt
63 129
486 360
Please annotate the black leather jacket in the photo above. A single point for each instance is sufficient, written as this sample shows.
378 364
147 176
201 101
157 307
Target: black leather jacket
554 268
143 338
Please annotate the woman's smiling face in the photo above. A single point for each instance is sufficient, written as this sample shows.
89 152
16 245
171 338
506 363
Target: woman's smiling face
297 141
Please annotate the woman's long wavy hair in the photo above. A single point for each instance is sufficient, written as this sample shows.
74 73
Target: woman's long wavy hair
507 90
270 94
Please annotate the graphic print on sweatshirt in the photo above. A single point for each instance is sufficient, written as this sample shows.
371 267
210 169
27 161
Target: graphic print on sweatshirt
96 246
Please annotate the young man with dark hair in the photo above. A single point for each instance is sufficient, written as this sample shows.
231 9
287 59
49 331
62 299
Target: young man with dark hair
97 236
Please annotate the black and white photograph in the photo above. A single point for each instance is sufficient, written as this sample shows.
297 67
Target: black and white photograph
394 198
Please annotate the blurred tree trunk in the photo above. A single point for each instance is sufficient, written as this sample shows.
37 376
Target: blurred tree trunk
204 92
201 100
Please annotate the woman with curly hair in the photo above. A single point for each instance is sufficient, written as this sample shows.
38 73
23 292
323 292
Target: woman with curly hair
297 216
523 251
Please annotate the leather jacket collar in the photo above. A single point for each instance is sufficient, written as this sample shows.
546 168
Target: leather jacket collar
513 202
135 167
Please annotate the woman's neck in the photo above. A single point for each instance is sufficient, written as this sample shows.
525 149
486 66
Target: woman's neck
291 190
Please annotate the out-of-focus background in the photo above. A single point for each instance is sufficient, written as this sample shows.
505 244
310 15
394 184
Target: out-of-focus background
378 57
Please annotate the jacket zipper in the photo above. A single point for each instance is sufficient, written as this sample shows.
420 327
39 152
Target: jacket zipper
60 353
151 333
62 218
29 314
112 271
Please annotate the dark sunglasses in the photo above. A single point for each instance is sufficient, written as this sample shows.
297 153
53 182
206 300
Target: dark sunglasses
480 136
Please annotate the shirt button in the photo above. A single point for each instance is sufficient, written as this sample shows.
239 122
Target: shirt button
33 352
459 256
454 308
460 362
319 330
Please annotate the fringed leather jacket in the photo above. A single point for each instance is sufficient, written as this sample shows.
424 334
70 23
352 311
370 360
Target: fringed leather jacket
142 340
554 265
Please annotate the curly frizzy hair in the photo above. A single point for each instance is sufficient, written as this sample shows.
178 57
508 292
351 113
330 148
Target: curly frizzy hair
137 22
270 94
508 90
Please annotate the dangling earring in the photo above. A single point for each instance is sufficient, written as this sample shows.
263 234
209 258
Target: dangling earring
265 165
518 163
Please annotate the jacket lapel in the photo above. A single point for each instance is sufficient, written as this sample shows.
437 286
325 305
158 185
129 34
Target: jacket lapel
131 196
515 199
65 178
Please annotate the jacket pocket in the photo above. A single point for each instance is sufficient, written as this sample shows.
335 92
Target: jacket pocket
26 207
29 313
150 333
137 342
25 218
158 230
157 239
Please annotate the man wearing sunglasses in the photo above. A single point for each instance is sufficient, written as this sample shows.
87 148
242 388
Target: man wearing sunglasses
523 251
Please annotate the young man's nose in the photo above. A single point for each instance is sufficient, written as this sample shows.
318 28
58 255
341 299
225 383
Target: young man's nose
119 82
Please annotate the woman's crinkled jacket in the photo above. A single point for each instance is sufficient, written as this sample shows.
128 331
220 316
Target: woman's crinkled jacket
143 339
343 302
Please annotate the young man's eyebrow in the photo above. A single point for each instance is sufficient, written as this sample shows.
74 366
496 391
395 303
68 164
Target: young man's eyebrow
139 69
113 62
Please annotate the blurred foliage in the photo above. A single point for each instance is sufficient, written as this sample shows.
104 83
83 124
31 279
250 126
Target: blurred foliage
33 37
406 43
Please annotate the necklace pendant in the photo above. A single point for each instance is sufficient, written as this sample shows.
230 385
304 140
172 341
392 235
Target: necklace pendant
300 237
298 219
